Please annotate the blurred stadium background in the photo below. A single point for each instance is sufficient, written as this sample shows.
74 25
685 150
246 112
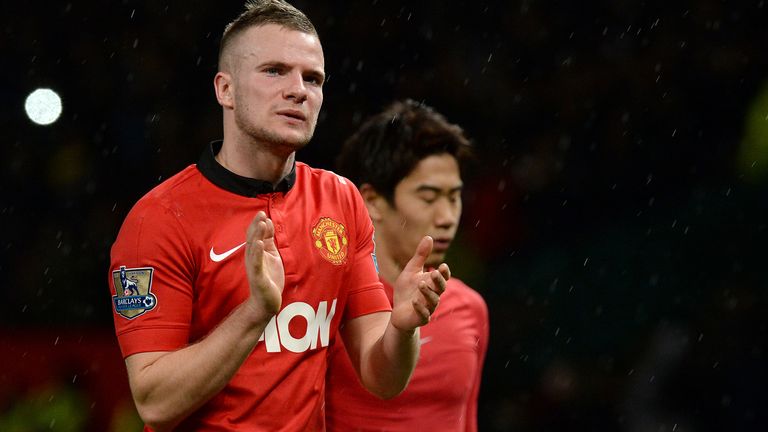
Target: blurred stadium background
616 220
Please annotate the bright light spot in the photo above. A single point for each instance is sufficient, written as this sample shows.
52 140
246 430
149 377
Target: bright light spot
43 106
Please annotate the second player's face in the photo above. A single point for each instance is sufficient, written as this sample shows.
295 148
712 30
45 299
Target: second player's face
427 202
278 84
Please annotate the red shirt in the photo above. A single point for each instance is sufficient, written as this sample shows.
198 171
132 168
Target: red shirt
183 272
442 393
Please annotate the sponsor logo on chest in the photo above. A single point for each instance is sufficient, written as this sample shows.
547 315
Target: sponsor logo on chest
277 334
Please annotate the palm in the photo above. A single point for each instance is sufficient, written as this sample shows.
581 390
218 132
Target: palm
404 315
417 292
274 274
264 266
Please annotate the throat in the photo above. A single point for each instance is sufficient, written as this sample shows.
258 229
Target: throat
389 269
255 162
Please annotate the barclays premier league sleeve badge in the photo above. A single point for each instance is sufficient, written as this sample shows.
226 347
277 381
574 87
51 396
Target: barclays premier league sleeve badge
133 291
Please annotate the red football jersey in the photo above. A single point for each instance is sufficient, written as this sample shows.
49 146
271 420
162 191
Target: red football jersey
442 394
178 269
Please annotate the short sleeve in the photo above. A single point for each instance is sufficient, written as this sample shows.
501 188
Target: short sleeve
150 277
366 293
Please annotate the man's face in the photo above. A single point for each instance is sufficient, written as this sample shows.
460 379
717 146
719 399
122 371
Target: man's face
278 77
427 202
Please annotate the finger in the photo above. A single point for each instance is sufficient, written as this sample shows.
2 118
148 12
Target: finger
254 247
445 271
431 297
253 227
421 311
438 282
259 231
416 263
255 250
269 231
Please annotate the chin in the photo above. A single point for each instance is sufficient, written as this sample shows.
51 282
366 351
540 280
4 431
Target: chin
434 260
289 138
297 141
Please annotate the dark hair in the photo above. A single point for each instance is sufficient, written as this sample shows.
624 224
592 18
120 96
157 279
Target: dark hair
262 12
389 145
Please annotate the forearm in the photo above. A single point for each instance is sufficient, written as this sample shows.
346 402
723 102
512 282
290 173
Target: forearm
170 386
393 356
390 363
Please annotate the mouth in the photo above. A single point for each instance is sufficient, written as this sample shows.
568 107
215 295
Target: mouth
441 244
293 114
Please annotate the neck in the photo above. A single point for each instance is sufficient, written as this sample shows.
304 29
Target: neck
389 269
255 160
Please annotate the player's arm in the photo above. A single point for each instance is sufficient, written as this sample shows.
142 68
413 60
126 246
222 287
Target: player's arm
169 386
384 346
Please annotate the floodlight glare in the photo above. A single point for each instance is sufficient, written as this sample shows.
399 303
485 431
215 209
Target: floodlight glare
43 106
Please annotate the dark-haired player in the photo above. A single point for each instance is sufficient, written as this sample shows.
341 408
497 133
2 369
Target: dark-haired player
405 161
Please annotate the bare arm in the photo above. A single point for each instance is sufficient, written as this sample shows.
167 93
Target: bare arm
383 346
168 386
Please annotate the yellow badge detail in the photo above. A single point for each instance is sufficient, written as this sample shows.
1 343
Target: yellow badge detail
133 291
331 240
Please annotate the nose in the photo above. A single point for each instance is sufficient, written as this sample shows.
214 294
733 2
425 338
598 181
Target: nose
446 212
295 89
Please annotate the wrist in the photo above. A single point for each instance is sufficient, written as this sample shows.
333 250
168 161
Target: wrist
409 333
256 313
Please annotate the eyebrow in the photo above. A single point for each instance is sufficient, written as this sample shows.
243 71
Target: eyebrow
312 72
435 189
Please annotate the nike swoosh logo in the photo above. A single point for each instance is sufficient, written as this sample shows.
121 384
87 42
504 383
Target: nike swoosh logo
424 340
221 257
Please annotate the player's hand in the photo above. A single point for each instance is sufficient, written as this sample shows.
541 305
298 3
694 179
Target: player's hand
417 293
264 266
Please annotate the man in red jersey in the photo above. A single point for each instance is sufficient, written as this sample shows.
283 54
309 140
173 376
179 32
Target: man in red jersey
242 268
406 163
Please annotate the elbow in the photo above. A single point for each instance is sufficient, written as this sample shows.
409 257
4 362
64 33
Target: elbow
155 418
387 395
387 392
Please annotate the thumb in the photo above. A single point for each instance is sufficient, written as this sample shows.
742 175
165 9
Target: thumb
416 263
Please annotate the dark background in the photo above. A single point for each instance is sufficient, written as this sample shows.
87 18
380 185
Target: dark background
615 219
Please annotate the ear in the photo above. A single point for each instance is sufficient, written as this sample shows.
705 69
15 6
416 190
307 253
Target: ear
222 84
375 203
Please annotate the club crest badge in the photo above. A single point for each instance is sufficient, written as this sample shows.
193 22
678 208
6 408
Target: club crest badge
331 240
133 296
373 255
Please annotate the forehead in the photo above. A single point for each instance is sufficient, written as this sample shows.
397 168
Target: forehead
275 43
440 170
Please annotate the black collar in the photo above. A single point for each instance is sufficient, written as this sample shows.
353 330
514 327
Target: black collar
226 179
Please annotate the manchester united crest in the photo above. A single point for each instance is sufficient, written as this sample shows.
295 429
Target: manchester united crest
331 240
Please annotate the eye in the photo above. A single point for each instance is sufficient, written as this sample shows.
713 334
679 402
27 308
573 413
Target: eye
272 71
314 79
428 197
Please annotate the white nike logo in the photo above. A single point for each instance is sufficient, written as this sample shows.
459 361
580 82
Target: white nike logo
424 340
221 257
